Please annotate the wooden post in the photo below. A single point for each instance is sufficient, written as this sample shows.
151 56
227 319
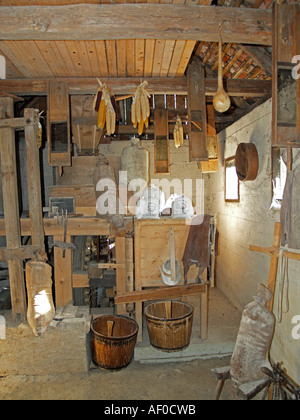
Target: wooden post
34 179
161 142
138 279
11 210
197 112
63 273
38 273
120 271
204 314
129 270
58 121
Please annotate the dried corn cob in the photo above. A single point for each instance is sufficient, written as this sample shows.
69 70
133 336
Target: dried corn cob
39 135
101 114
178 132
104 104
140 108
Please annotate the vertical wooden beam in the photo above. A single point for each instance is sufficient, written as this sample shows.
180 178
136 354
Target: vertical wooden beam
204 314
297 51
63 273
58 119
274 76
120 272
34 179
161 142
129 269
197 111
138 278
11 210
285 46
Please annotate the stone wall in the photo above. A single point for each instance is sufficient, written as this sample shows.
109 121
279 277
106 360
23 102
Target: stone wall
239 270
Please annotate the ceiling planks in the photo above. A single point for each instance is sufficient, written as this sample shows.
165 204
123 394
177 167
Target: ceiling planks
109 58
162 37
138 57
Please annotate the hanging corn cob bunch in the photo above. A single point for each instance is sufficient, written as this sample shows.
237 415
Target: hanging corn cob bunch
178 133
39 134
140 108
105 105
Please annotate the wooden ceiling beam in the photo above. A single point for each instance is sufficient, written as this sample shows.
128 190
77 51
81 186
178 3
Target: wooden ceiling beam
128 85
139 20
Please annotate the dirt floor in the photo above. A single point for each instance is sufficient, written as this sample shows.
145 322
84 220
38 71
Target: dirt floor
163 381
151 379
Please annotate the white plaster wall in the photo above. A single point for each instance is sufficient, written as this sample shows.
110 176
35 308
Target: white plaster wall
180 167
239 270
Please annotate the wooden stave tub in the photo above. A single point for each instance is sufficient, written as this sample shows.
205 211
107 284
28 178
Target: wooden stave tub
115 351
170 334
246 162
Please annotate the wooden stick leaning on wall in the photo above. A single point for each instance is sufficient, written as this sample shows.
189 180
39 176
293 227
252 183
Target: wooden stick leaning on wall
274 262
274 252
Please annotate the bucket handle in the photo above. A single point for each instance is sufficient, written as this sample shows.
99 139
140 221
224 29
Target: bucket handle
110 325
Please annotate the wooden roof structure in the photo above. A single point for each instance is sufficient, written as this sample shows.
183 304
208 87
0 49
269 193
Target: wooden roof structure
126 41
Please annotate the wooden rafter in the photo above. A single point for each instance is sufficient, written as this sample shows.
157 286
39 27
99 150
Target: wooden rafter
236 56
120 86
125 21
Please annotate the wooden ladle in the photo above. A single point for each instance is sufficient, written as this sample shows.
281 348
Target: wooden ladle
110 325
221 99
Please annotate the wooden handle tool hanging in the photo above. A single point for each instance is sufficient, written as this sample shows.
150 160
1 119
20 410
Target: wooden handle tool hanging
221 99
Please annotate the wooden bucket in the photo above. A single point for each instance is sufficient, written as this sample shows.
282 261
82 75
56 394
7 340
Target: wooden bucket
169 325
113 341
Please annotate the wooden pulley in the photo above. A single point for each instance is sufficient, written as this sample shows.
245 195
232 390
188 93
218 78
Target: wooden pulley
246 162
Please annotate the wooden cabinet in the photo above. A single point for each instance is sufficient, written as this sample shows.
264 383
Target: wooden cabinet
152 242
197 112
